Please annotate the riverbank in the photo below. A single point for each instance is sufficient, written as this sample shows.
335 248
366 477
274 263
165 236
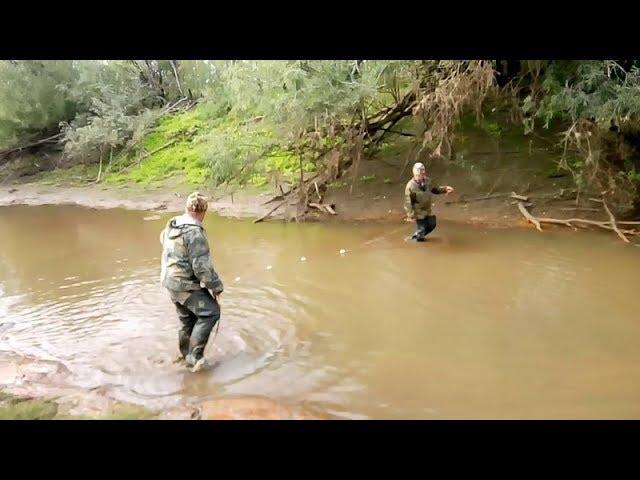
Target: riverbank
373 194
38 389
488 165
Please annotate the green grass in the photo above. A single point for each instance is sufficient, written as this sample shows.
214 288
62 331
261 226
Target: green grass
193 148
280 163
78 174
180 158
185 157
190 157
129 412
13 408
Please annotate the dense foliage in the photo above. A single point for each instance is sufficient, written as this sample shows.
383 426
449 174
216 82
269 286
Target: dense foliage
245 119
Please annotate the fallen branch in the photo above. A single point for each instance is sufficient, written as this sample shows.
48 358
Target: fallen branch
148 154
519 197
569 222
613 222
528 216
286 194
318 206
404 134
268 214
323 208
168 144
173 107
33 144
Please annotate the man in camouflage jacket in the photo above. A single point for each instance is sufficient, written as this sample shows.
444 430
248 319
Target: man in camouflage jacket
192 283
417 202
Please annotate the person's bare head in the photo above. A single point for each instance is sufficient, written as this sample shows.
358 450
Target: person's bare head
419 172
196 206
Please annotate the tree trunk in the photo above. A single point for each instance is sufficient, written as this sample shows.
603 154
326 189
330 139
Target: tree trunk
174 67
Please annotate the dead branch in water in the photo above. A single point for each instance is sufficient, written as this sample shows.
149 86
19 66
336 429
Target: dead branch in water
610 225
613 222
528 216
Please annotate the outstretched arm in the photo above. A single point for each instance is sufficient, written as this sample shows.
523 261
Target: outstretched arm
442 189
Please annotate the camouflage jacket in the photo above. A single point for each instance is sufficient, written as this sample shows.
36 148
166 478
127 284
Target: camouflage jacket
186 259
417 198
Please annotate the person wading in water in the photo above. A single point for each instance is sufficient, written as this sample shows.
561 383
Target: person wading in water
193 285
417 202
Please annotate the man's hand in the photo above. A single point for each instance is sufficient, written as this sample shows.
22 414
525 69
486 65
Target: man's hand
448 189
409 219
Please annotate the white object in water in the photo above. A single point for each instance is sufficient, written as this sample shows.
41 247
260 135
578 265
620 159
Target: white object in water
269 267
342 251
237 279
303 259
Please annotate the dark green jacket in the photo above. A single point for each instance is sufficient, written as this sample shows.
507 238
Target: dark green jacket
417 198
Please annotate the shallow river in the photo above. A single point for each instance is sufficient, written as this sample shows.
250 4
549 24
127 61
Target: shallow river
474 323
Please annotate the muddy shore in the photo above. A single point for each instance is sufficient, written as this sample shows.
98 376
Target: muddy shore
38 389
382 205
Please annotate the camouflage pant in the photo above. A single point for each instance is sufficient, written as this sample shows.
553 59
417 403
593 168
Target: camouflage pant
198 315
424 226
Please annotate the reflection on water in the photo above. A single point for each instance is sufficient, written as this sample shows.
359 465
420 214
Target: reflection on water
472 324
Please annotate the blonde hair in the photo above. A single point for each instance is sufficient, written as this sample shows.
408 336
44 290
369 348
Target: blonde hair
196 202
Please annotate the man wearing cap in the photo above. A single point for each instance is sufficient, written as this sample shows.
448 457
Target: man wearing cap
417 202
192 283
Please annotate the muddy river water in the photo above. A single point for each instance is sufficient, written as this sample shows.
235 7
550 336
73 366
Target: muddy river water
474 323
